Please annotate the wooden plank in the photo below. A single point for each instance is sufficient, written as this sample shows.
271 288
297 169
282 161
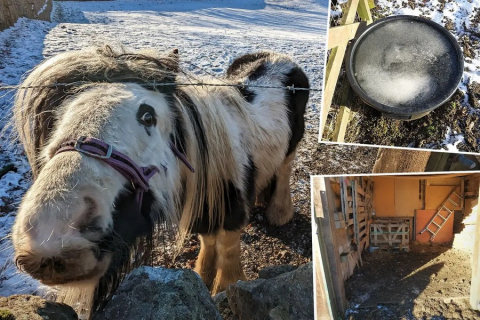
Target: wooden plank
334 64
360 190
325 203
361 216
364 11
324 309
355 211
349 12
475 283
339 46
332 72
363 244
341 35
343 118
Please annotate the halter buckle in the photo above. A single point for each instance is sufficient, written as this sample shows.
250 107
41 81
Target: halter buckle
78 147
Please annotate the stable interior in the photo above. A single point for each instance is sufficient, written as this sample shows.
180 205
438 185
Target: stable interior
404 246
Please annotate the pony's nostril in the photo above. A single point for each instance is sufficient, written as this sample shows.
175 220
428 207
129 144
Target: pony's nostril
92 227
91 208
88 220
56 264
20 262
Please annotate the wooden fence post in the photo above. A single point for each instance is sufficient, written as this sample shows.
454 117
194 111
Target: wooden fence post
338 38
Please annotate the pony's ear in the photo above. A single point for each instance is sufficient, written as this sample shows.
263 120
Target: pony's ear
173 54
174 59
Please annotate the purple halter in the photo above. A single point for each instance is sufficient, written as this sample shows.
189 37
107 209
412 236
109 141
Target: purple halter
138 176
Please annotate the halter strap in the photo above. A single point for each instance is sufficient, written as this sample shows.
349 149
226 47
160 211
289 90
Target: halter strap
138 176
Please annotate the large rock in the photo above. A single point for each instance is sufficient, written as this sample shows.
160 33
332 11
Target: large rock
275 271
287 296
25 307
160 293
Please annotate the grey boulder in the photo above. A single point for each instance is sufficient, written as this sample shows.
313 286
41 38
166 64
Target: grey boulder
287 296
160 293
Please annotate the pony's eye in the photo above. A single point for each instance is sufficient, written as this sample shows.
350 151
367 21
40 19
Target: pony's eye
147 119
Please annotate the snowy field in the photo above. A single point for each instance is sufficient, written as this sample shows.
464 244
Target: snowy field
208 34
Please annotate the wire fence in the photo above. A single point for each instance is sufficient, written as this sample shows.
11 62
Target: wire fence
167 84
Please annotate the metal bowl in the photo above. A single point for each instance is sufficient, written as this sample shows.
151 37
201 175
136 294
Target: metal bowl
404 66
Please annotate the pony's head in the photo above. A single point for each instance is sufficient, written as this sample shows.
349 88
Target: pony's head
81 208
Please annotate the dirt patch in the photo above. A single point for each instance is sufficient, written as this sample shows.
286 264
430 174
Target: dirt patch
369 127
429 282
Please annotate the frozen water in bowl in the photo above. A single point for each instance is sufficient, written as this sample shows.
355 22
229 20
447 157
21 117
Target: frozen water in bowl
406 64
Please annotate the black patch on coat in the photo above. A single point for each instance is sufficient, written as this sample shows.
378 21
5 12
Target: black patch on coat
236 213
258 72
250 176
296 104
179 131
240 69
130 223
247 94
238 65
197 124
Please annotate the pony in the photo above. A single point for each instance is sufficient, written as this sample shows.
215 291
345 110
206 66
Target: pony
121 143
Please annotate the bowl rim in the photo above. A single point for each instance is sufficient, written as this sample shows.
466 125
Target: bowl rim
395 112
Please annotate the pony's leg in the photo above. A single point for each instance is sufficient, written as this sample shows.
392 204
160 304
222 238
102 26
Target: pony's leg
205 264
280 207
229 267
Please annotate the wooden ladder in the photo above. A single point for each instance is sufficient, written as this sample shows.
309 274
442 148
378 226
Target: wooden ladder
442 219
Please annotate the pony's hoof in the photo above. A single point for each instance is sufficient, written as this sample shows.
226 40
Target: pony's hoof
278 216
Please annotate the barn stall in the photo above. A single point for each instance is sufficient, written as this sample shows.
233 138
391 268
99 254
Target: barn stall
404 246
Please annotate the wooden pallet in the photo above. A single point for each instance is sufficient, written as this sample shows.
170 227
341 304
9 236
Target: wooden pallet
391 232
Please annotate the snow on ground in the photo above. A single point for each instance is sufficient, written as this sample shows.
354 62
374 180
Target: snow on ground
463 17
208 34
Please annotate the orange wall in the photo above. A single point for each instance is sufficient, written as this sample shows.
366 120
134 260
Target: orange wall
399 197
407 194
384 196
436 195
396 197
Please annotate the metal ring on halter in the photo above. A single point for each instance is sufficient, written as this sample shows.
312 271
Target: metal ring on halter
82 139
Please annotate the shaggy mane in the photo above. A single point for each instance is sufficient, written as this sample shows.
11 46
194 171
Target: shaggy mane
34 107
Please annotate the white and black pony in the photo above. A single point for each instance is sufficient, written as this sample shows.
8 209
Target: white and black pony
117 149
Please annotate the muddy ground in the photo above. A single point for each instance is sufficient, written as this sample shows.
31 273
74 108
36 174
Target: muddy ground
429 282
460 114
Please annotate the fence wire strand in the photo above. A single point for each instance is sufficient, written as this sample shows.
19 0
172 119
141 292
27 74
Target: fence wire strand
153 84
